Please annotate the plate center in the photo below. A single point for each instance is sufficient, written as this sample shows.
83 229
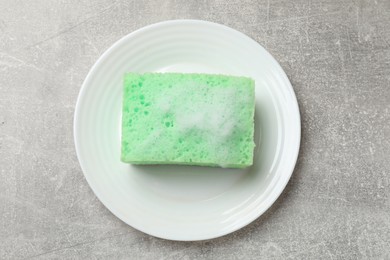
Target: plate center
185 183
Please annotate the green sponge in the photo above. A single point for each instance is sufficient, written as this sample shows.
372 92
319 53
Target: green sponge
193 119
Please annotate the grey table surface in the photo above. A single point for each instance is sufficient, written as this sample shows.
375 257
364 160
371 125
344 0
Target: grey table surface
337 56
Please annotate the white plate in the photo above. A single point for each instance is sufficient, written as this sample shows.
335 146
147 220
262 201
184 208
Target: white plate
181 202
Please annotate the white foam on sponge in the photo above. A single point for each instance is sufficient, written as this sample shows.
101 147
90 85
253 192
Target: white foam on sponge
201 107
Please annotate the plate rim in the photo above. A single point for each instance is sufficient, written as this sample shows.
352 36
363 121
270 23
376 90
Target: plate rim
288 172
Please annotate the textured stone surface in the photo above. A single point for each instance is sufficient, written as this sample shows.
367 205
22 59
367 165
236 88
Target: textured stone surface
337 56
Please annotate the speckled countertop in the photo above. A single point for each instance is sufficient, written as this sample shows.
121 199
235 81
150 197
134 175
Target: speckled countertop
337 56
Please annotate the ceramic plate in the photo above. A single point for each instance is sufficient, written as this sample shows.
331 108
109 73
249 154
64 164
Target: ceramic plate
183 202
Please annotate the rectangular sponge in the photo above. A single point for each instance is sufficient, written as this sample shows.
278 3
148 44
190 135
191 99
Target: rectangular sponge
192 119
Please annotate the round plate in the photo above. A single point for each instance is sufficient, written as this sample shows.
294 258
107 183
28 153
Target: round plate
184 202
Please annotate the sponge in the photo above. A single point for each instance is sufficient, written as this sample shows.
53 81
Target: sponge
191 119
